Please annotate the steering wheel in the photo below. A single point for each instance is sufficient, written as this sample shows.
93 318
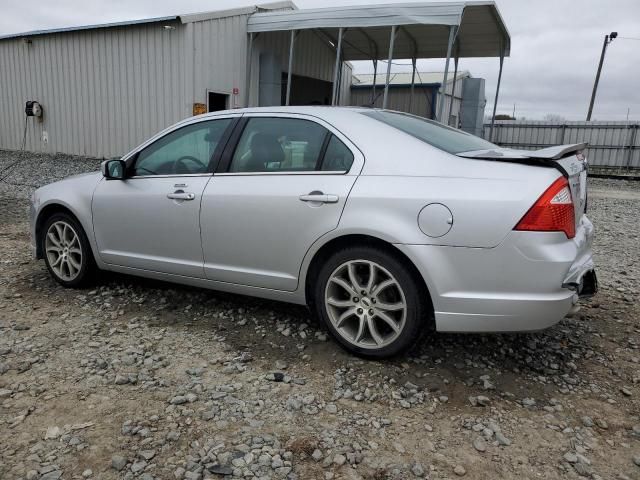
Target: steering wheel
180 164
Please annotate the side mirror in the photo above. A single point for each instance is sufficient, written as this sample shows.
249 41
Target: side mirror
113 169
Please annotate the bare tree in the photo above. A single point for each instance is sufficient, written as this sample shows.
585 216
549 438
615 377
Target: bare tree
554 118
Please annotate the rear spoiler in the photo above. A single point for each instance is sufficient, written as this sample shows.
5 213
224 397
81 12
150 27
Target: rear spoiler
508 154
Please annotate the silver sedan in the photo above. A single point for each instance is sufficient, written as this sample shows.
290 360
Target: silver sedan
385 224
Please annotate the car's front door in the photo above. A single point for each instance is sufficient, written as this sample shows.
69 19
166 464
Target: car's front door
281 186
151 220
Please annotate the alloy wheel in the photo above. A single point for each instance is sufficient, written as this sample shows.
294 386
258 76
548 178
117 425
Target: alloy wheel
365 304
63 250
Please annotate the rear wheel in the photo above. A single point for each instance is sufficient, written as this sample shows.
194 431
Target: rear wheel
370 302
67 253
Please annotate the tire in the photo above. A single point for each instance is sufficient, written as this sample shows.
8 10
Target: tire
356 319
77 267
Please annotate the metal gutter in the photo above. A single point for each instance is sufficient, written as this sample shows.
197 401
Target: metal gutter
34 33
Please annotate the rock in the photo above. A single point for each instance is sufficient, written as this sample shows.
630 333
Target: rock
138 466
87 473
417 469
147 454
121 380
281 365
636 460
626 391
178 400
275 377
331 408
528 402
602 424
4 393
178 473
32 475
53 475
479 444
582 469
118 462
587 421
52 433
339 459
317 455
502 440
460 470
399 447
191 397
570 457
479 401
220 469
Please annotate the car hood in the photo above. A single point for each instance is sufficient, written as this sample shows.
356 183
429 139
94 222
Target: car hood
82 182
88 177
81 175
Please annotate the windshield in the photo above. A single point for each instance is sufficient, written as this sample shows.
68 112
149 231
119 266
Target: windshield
440 136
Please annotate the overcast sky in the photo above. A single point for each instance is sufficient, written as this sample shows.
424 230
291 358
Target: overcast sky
555 47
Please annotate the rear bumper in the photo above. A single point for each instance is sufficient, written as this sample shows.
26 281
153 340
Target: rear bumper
529 282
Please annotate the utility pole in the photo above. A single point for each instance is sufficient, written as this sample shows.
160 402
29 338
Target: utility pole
607 41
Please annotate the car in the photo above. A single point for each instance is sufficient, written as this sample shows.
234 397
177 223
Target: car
387 225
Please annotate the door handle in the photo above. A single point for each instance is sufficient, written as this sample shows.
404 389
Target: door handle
181 196
319 198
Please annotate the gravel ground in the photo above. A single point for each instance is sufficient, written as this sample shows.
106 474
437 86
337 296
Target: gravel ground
141 379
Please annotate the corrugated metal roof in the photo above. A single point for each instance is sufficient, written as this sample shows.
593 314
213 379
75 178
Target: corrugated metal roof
355 16
90 27
423 33
262 7
404 78
183 18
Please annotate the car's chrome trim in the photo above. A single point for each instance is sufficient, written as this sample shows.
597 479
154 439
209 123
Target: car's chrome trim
171 175
309 172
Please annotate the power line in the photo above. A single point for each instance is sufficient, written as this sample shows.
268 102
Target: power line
629 38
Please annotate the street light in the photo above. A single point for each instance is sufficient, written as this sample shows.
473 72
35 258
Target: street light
607 40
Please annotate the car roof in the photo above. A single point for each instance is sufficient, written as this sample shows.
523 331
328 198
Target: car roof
320 111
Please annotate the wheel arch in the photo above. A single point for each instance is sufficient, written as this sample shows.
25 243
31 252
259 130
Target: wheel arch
45 213
356 239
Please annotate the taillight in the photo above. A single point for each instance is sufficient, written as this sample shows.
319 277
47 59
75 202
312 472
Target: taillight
552 212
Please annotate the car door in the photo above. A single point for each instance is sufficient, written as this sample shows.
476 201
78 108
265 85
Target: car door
282 183
151 219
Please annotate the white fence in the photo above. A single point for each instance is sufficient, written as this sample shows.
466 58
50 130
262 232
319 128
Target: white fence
612 145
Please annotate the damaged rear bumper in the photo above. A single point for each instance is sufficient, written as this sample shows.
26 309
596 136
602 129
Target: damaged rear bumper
581 276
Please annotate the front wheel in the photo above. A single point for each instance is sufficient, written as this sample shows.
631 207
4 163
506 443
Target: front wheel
370 302
67 252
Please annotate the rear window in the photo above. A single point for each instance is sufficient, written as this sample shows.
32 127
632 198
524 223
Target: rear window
440 136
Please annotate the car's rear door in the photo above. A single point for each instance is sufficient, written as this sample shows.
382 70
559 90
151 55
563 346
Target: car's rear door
151 220
282 183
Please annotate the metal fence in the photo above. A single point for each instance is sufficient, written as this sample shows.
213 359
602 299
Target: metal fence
612 145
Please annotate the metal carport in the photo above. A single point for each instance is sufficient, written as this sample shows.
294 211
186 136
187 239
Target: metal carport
401 31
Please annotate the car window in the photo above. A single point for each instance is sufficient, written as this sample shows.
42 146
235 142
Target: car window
187 150
440 136
337 157
270 144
